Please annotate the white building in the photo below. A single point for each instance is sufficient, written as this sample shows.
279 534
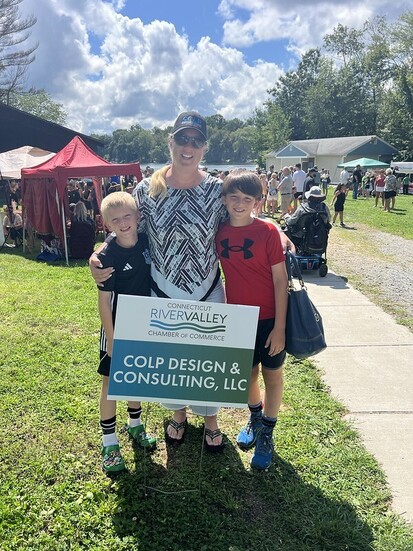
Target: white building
327 153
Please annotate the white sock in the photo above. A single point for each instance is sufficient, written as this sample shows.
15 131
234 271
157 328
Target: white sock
134 422
110 439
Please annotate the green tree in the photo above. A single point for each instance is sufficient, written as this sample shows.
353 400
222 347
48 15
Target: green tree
14 57
271 130
346 43
290 92
39 103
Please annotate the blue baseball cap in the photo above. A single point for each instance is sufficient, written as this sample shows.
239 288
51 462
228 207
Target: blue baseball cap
190 119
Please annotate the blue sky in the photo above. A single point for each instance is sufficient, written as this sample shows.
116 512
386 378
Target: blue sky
114 63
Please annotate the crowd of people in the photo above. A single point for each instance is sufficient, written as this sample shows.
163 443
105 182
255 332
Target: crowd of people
382 184
284 190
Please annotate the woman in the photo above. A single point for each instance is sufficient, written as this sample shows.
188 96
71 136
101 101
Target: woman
379 188
285 189
82 232
262 207
390 187
181 209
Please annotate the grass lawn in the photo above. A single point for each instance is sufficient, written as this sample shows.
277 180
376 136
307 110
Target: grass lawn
323 491
398 222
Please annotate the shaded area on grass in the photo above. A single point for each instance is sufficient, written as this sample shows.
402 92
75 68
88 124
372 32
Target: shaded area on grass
236 508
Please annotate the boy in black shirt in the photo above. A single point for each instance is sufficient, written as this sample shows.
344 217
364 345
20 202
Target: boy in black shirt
128 253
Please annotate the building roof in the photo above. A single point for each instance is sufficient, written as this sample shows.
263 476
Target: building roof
20 128
331 146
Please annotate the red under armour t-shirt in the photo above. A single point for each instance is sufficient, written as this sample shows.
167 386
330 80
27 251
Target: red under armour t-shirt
246 254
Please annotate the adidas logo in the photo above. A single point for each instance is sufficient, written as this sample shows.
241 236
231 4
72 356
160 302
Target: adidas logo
127 267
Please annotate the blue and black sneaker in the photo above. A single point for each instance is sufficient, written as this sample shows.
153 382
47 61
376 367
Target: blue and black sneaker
247 437
261 459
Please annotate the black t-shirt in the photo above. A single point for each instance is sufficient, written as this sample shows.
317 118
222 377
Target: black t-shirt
74 196
132 275
357 176
309 182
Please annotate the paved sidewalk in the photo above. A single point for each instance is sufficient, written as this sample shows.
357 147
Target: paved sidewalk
368 366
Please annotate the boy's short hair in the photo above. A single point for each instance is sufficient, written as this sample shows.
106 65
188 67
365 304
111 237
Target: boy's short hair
242 180
115 200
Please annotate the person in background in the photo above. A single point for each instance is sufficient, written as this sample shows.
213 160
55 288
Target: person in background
299 177
366 185
406 183
12 225
309 182
262 207
82 232
257 280
379 187
270 172
272 198
390 187
73 192
338 201
325 180
314 203
285 190
15 194
357 178
344 177
317 177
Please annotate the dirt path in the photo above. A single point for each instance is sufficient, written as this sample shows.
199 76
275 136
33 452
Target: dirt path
378 263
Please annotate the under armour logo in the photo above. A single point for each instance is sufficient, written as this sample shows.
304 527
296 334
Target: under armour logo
127 267
248 243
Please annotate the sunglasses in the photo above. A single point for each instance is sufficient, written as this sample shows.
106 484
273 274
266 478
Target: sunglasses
182 139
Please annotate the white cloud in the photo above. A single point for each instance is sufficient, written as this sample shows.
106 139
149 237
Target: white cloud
301 22
110 71
141 74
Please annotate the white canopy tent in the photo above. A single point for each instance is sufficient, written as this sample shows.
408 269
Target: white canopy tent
12 162
405 167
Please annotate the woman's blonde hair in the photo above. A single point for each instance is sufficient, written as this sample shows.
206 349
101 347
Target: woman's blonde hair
157 184
115 200
80 212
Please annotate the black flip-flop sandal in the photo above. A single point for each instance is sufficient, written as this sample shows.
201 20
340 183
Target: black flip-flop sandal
213 434
176 426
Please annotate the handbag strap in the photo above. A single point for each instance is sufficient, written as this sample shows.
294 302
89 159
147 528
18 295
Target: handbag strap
291 260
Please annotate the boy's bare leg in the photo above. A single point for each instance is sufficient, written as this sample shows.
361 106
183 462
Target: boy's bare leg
107 407
254 394
274 384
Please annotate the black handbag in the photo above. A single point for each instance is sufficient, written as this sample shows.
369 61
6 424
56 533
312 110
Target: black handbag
304 332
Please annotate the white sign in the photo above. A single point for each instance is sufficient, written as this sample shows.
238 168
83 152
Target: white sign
168 350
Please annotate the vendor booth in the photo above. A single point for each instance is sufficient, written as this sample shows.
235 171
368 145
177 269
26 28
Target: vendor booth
364 162
12 162
404 167
43 188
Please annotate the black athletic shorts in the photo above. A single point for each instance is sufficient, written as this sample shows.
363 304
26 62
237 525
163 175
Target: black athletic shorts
298 194
104 364
261 353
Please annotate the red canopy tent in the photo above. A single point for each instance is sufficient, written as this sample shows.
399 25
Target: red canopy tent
44 194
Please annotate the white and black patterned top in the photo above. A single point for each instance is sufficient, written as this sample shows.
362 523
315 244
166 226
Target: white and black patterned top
181 228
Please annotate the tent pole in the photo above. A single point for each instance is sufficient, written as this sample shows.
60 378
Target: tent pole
64 234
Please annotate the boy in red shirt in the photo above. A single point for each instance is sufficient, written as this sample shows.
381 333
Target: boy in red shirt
253 262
